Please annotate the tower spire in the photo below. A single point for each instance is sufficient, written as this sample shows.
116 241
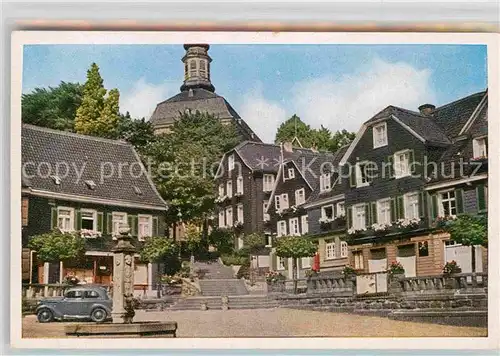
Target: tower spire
197 67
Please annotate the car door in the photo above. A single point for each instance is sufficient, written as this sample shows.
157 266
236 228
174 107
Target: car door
71 304
90 297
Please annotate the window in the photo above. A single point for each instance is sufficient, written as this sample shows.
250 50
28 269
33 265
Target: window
268 182
239 185
73 294
411 206
480 147
229 216
300 196
119 220
325 182
344 249
291 173
380 135
264 209
92 294
277 202
357 256
65 219
384 211
221 190
240 212
222 221
89 220
281 263
327 212
145 227
423 249
294 227
229 189
447 203
364 174
203 68
330 250
359 217
281 229
305 224
340 209
230 162
402 164
192 67
284 201
306 262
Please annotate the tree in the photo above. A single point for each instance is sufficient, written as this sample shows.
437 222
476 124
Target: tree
295 247
108 124
292 128
253 243
342 138
193 238
161 250
471 231
52 107
58 246
222 240
138 132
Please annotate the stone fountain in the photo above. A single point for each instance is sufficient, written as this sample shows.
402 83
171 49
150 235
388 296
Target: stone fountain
123 312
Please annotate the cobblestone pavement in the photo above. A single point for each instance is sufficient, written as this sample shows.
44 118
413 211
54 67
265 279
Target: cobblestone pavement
275 323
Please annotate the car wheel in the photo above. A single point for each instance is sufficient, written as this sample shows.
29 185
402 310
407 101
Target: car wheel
45 315
99 315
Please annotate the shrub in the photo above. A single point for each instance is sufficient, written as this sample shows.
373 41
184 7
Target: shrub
274 277
451 268
230 260
396 268
244 271
348 271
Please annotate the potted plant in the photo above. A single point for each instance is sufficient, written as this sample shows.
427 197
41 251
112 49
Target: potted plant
396 268
408 224
449 269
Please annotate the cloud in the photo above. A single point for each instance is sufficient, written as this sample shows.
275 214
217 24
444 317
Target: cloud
141 100
262 115
347 102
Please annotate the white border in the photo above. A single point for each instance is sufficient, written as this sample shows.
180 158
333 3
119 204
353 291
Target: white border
52 37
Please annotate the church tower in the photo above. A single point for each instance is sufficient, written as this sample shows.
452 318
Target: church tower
197 67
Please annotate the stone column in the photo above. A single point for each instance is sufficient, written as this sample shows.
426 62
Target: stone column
123 276
61 270
150 278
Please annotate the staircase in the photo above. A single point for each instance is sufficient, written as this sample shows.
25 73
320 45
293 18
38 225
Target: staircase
213 270
215 279
235 302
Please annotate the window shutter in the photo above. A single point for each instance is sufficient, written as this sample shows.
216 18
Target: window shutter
130 222
100 221
155 226
389 173
401 207
352 176
393 210
459 200
367 214
109 223
413 167
54 218
349 217
78 219
374 212
434 206
421 204
481 199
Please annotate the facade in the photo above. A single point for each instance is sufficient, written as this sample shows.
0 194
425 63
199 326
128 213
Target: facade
89 185
198 94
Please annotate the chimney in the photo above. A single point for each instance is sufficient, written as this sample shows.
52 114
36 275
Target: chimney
287 146
427 109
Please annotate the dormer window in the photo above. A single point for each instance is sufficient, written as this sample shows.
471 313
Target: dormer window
480 147
325 182
137 190
291 173
90 184
380 135
56 179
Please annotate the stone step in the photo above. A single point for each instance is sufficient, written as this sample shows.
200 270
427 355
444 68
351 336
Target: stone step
220 287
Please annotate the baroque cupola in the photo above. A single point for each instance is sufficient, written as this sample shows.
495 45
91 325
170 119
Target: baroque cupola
197 68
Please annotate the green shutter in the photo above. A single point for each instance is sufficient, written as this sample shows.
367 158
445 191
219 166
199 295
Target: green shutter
374 212
401 207
349 217
393 210
109 223
100 221
421 204
352 176
413 167
155 226
434 206
54 218
367 215
459 200
78 219
481 199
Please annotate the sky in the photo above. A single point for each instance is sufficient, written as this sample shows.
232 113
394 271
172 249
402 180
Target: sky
337 86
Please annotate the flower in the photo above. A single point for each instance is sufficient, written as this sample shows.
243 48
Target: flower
86 233
404 223
381 226
396 267
324 220
451 267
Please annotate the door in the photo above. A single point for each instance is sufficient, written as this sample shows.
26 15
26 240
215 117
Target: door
377 261
72 303
461 254
406 256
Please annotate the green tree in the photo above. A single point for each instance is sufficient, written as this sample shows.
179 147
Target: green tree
222 240
109 122
253 243
192 238
471 231
295 247
138 132
57 246
52 107
161 250
342 138
294 128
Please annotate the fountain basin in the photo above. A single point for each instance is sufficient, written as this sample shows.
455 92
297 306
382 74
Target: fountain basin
112 330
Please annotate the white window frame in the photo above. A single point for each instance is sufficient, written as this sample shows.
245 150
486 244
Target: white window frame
280 263
358 259
359 176
325 183
304 222
384 211
268 182
115 221
294 226
291 173
379 141
277 202
222 218
229 188
221 190
306 262
480 147
229 216
357 222
399 172
330 250
230 162
266 216
284 201
70 218
149 232
94 218
239 185
344 249
340 209
323 212
281 228
239 212
448 200
300 196
412 207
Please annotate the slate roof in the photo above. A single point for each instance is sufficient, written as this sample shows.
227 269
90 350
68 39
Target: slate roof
46 147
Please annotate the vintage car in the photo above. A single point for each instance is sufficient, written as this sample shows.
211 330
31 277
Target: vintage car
85 302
